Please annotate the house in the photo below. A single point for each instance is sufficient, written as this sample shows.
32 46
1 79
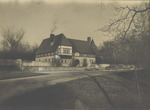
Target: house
67 50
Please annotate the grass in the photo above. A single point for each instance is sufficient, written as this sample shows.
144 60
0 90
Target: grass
114 91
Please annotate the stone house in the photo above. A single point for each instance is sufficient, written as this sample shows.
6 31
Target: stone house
66 50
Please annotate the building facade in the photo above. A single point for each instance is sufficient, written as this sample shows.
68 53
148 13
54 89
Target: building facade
66 51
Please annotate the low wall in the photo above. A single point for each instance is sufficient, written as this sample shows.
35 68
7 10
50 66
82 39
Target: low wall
9 64
35 63
48 68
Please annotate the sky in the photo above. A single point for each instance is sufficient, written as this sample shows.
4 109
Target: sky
76 19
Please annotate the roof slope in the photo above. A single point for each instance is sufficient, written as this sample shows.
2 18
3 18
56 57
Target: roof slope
46 46
83 47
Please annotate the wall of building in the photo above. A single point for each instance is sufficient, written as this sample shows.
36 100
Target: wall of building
46 58
35 63
66 62
90 60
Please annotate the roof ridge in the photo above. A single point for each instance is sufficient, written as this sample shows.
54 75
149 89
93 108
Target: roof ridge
60 34
77 39
46 38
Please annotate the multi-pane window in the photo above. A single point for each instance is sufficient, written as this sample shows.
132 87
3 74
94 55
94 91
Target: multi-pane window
64 61
52 59
66 50
91 61
48 60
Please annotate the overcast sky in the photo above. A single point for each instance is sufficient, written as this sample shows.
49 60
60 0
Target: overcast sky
76 19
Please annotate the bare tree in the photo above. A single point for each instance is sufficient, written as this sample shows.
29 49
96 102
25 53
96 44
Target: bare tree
11 38
127 17
129 25
132 22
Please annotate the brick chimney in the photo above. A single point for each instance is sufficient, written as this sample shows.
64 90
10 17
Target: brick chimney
52 36
89 40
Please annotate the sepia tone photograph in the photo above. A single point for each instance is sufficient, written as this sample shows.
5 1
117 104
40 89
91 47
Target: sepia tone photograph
74 55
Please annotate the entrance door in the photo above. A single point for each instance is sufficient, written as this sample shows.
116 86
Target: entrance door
84 62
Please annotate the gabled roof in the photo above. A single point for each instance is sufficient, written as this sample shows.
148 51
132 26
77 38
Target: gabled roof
46 46
83 47
94 47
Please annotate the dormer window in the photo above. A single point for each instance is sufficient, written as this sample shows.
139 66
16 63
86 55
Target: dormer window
52 43
77 54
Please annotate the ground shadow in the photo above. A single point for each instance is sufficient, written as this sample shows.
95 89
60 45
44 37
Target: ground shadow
48 98
103 91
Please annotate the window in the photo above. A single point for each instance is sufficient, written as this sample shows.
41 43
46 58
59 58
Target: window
91 61
64 61
77 54
52 60
66 50
52 43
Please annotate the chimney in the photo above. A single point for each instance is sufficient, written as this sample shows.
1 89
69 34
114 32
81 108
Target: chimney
89 40
52 36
